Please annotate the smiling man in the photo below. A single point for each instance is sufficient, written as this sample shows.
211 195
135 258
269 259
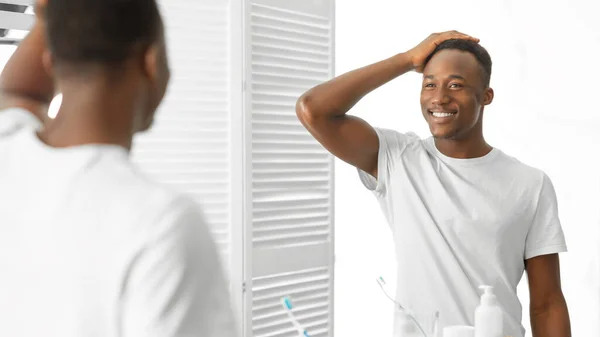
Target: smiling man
462 212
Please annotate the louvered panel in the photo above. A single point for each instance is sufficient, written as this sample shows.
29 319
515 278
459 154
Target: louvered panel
16 18
15 14
298 43
9 42
292 206
309 291
17 21
189 147
18 2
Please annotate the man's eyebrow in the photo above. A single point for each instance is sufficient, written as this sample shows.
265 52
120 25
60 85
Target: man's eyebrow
430 77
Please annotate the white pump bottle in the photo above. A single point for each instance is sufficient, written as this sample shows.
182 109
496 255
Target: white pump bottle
488 315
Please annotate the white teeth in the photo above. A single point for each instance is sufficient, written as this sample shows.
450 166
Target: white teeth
442 114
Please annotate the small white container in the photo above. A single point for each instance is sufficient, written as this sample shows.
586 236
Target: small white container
459 331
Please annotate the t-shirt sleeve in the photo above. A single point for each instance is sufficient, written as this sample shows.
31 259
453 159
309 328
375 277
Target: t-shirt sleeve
391 147
176 285
545 235
14 119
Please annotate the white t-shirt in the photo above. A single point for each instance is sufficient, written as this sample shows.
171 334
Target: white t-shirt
462 223
12 120
90 247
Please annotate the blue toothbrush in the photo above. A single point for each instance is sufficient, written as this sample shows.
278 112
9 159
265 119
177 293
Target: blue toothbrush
287 305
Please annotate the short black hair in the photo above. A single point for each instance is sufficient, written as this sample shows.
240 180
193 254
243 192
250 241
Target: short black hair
105 32
474 48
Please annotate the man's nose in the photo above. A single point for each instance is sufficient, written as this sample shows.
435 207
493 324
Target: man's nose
441 97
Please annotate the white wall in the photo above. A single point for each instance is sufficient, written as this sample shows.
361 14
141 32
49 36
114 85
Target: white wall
545 113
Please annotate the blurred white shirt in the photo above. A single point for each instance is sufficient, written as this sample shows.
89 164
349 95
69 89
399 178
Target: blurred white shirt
12 120
90 247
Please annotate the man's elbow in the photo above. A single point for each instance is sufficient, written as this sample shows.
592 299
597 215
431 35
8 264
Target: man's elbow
305 110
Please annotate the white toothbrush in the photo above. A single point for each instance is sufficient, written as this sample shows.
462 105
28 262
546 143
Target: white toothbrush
436 324
287 305
382 285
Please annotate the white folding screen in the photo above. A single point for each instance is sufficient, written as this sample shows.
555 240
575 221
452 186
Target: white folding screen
289 200
12 19
13 22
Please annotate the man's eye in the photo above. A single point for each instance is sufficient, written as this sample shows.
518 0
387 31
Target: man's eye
429 85
455 85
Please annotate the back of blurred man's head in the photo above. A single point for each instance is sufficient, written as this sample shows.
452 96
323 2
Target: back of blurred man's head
118 39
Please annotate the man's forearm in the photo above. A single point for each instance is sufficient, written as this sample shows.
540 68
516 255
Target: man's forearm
24 76
337 96
552 321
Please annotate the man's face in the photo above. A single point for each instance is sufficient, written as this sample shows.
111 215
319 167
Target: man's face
453 94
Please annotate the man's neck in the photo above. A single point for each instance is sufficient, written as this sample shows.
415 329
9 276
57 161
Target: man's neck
66 132
86 118
463 149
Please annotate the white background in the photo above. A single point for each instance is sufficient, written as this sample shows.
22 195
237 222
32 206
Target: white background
545 113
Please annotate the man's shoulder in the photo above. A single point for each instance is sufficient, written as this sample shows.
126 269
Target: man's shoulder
123 187
154 196
397 140
526 173
395 134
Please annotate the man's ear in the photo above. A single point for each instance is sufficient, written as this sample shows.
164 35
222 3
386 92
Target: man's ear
151 63
488 96
48 62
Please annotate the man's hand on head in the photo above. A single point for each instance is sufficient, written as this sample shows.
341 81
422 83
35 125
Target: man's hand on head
419 54
24 81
